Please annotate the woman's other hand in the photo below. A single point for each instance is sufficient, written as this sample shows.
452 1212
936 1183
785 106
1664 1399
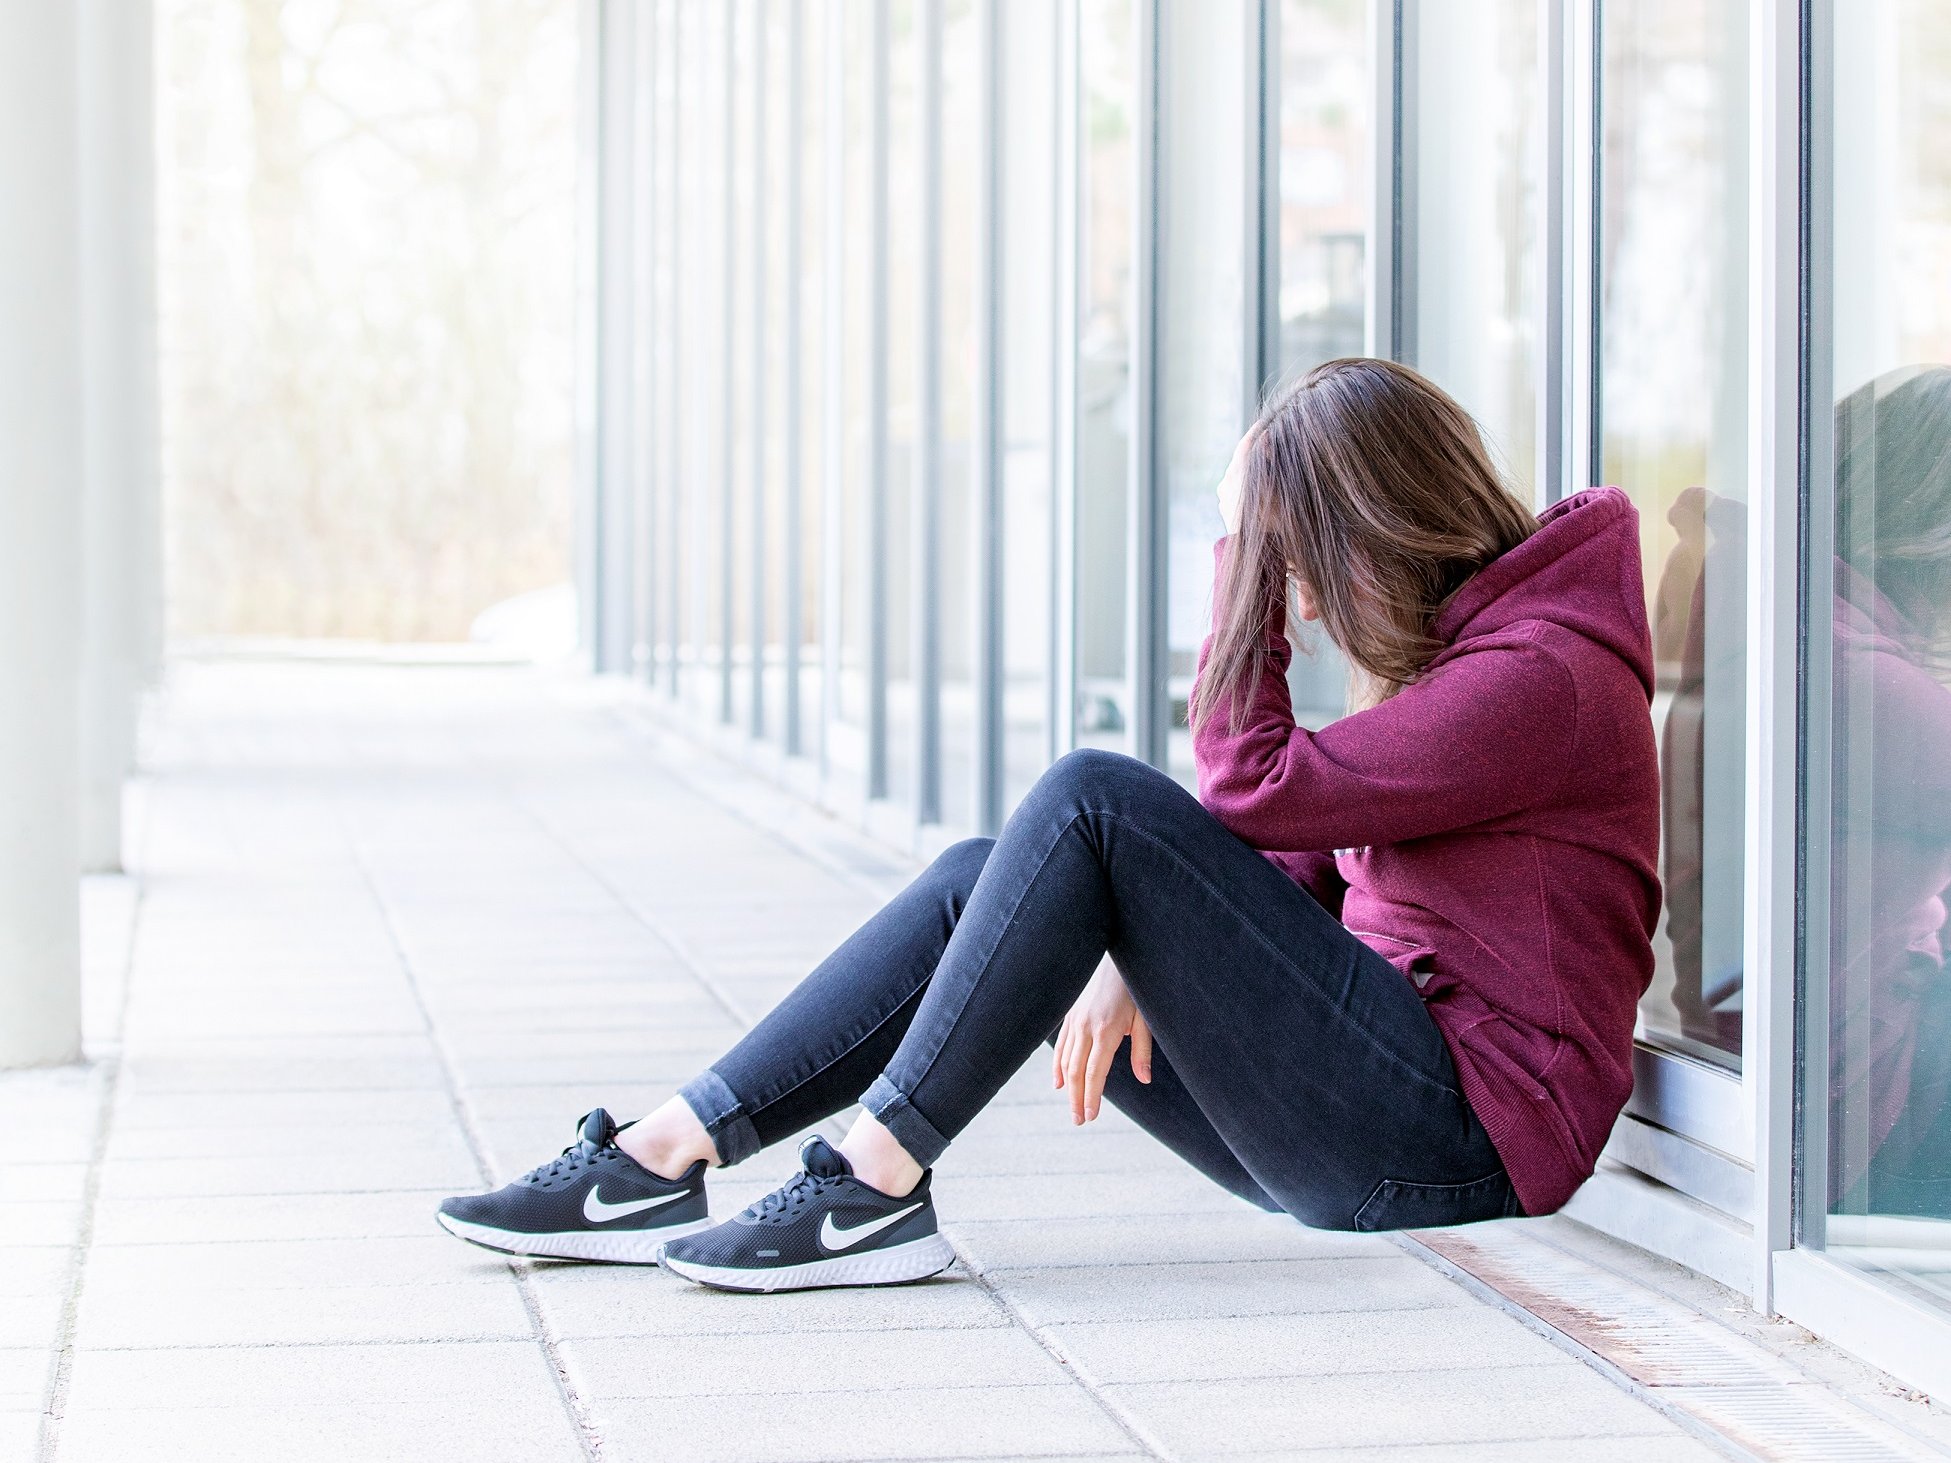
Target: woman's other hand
1231 486
1090 1037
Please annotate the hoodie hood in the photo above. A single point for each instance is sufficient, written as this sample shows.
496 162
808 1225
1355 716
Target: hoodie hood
1580 570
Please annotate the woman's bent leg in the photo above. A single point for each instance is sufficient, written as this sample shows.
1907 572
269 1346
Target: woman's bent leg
1312 1057
814 1052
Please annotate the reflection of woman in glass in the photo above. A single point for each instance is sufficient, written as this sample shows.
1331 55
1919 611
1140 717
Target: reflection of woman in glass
1379 975
1889 991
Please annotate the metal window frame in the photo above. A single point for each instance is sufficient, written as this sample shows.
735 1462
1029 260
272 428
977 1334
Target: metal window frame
986 425
1067 263
793 730
1146 527
646 330
757 224
925 503
877 403
833 459
727 377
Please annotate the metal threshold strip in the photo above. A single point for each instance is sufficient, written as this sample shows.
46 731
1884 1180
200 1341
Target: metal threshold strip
1720 1386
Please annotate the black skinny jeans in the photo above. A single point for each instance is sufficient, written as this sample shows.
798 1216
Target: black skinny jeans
1291 1064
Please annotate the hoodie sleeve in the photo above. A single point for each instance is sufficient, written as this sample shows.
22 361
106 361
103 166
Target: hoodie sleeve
1489 732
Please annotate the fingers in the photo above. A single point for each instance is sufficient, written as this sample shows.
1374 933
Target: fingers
1103 1051
1141 1049
1058 1054
1075 1066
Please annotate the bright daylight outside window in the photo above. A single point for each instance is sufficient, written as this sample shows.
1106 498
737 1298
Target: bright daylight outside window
366 263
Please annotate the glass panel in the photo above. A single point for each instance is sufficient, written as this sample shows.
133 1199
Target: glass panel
1475 227
1880 643
815 379
733 581
773 60
1030 337
846 734
1107 211
1671 418
1322 184
1203 315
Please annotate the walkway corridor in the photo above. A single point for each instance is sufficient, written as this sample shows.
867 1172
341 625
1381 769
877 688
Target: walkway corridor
398 927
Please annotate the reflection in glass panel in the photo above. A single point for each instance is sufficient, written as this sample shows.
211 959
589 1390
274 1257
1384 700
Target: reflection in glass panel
1322 184
1202 396
732 573
1475 226
1029 254
1887 1073
1107 45
1671 417
772 372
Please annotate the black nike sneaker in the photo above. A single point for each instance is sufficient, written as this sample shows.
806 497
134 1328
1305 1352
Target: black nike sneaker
595 1202
823 1227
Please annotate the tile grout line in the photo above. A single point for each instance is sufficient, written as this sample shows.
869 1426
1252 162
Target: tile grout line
61 1370
581 1420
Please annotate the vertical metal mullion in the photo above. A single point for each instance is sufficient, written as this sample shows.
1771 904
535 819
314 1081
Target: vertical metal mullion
614 621
1065 208
1263 224
1554 336
649 333
795 554
833 399
1396 287
1581 166
877 392
986 423
726 495
761 418
1791 485
1589 427
925 609
674 430
1145 622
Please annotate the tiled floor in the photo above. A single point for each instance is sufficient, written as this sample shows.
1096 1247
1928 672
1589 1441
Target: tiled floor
397 929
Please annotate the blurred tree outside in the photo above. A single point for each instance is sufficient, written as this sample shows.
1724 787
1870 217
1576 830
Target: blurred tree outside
366 256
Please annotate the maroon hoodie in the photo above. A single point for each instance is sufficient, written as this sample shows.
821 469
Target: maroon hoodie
1493 830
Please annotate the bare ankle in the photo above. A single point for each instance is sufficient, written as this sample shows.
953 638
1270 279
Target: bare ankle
878 1159
669 1140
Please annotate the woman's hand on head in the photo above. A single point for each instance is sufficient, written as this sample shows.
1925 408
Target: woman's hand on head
1088 1041
1233 484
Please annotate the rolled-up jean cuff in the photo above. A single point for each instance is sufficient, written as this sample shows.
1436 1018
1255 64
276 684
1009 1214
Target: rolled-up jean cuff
723 1115
900 1117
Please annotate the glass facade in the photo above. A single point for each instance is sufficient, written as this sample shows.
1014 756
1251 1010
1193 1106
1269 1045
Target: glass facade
956 308
1877 1145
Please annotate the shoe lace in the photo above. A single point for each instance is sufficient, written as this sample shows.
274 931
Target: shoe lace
789 1198
566 1165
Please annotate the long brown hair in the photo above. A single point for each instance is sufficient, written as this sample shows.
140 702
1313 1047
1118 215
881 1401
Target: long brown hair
1372 487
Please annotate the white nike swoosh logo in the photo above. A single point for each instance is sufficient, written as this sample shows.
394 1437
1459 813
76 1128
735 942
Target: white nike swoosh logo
597 1212
832 1237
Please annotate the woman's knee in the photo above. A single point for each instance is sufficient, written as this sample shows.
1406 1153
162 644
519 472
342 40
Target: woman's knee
1093 775
957 867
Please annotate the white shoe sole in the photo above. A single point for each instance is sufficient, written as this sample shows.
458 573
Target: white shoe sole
618 1247
895 1265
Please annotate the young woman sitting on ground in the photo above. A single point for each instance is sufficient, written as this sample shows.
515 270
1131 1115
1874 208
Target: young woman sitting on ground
1376 976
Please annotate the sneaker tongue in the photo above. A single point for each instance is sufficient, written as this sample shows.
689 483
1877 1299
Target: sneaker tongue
821 1159
597 1129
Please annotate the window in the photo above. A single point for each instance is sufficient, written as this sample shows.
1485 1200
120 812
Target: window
1670 417
1877 990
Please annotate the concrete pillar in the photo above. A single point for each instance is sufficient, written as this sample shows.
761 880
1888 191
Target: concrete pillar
40 525
120 607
